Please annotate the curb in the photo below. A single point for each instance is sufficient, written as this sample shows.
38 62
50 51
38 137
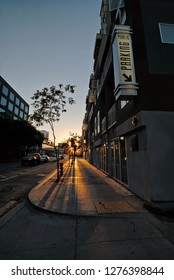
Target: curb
7 207
156 209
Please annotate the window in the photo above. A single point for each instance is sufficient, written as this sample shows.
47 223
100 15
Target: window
167 33
12 96
16 110
5 90
95 126
2 110
17 101
22 105
10 106
98 121
115 4
112 116
26 109
123 103
3 101
25 117
21 114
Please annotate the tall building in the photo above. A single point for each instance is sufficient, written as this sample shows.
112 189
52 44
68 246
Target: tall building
128 127
12 105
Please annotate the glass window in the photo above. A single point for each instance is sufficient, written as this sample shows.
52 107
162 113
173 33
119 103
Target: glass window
21 114
123 103
26 109
17 101
3 101
2 110
10 106
5 90
22 105
16 110
25 117
12 96
167 33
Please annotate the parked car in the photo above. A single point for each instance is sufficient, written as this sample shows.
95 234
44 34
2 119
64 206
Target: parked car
31 159
44 158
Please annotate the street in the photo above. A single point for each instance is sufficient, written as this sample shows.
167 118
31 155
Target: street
16 180
27 232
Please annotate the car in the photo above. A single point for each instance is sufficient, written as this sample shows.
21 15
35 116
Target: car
44 158
31 159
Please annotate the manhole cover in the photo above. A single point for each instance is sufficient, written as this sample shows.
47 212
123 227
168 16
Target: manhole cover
107 207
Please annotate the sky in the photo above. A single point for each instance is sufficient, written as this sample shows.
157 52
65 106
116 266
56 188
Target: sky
50 42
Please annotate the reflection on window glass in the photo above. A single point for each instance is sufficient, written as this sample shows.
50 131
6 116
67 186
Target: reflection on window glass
5 90
2 110
10 106
12 96
21 114
167 33
16 110
25 117
22 105
123 103
3 101
26 109
17 101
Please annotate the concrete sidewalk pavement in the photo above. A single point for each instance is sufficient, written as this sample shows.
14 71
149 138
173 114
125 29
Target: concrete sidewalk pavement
105 222
84 190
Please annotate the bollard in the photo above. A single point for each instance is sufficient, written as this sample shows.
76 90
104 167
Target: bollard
61 168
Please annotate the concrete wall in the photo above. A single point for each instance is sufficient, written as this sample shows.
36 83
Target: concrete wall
151 168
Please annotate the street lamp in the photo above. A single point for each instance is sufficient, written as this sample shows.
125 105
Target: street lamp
58 174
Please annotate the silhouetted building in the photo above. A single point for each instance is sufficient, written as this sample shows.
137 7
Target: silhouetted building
12 105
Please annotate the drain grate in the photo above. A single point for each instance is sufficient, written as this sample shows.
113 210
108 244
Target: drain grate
108 207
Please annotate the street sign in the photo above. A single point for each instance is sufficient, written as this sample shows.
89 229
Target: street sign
123 62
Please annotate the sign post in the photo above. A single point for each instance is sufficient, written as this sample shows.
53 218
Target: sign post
124 71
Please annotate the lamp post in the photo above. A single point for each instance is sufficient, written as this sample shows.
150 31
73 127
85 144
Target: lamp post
58 174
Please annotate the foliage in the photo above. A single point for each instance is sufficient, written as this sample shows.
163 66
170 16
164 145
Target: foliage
16 136
49 104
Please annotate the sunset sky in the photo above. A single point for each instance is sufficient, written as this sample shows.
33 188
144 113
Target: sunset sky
50 42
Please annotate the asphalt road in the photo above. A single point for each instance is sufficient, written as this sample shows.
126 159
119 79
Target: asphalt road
16 180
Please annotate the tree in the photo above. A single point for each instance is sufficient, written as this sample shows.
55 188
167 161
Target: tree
17 134
49 104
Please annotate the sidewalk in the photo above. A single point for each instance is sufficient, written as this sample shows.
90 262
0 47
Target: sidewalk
105 222
84 190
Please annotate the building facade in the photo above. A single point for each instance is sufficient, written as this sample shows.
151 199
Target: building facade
12 105
128 128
